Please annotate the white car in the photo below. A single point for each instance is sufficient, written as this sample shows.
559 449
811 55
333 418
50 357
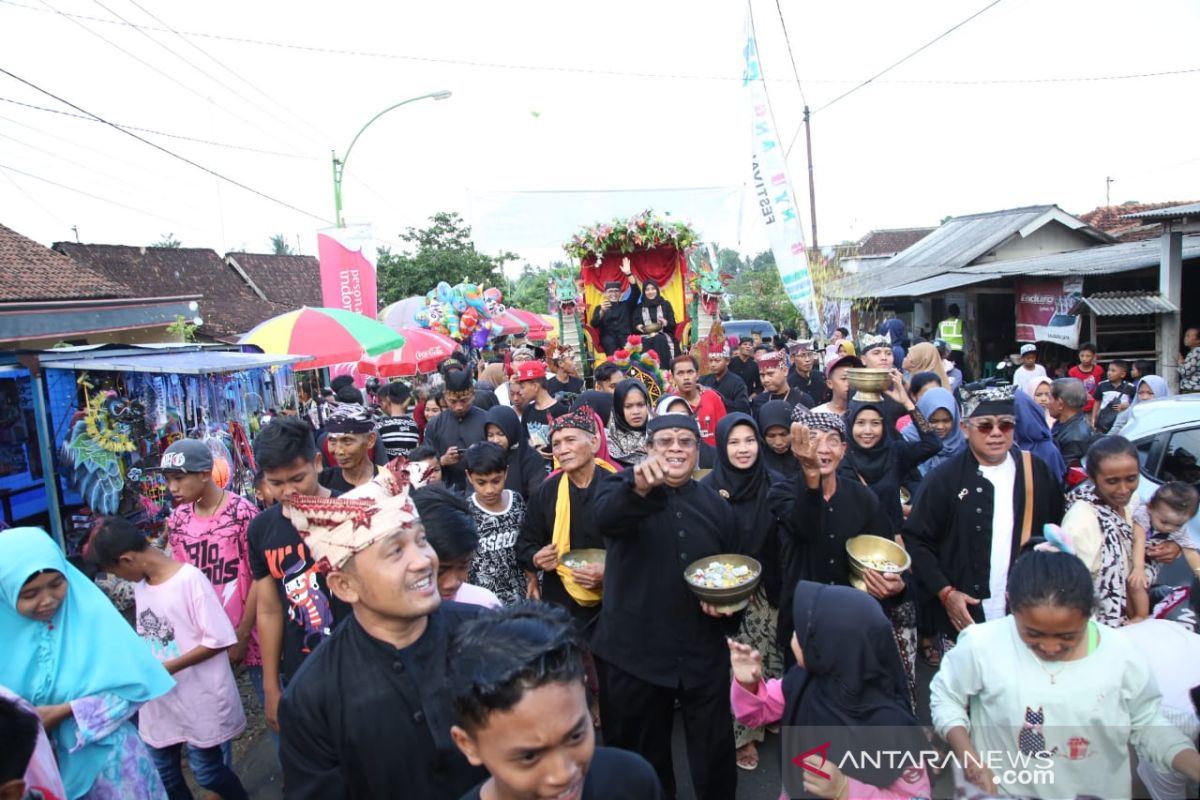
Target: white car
1166 433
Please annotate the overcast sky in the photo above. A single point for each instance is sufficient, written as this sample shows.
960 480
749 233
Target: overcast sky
577 96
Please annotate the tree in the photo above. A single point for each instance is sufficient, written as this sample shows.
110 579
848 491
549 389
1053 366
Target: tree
280 246
441 252
757 293
531 290
168 241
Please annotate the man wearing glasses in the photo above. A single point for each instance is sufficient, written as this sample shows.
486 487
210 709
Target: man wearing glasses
658 642
972 514
450 434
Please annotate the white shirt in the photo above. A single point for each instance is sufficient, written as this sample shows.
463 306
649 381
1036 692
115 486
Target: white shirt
1022 376
1003 478
1173 653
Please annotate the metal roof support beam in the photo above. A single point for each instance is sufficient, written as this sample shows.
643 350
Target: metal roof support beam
1170 286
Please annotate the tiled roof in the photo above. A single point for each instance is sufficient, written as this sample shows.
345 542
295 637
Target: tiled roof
29 271
890 241
293 281
228 306
1112 220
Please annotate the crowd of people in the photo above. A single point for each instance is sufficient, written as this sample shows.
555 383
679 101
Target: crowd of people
455 588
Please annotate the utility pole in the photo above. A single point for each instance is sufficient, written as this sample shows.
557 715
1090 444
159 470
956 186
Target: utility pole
1108 182
812 188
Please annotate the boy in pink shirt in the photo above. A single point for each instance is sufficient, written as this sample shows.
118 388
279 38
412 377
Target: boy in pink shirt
208 529
181 619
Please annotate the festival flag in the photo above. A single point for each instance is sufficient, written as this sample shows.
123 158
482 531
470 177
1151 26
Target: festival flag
347 257
773 191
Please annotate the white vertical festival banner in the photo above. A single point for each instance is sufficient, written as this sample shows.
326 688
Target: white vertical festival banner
773 191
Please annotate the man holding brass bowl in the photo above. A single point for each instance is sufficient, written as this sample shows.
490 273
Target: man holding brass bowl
659 643
820 512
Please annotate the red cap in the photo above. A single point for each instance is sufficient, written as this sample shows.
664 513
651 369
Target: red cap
530 371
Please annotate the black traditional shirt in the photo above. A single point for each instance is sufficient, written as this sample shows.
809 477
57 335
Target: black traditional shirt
362 719
651 625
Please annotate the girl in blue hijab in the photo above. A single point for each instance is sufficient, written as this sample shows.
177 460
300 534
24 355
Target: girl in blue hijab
1033 434
931 402
71 655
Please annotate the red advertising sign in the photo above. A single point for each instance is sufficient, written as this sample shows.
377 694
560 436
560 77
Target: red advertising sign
1042 307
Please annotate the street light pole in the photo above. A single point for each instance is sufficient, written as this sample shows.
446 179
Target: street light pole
339 165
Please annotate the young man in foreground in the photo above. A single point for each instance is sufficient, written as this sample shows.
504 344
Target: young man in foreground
517 681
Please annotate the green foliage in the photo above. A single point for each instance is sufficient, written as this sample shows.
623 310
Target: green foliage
183 328
168 241
280 246
530 290
443 251
757 293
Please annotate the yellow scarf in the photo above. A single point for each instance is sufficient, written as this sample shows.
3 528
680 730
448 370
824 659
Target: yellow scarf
561 539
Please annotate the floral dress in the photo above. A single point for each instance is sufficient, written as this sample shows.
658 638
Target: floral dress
129 773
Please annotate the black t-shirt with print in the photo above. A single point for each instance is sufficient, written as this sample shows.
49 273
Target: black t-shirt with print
537 422
310 609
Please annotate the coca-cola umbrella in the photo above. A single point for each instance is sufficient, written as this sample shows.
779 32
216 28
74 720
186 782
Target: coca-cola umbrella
423 350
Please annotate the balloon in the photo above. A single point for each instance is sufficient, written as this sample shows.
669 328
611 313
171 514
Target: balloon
422 317
444 293
469 320
220 472
480 338
492 300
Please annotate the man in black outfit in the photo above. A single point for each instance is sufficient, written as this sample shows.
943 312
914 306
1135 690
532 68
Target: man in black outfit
803 375
731 387
450 434
745 367
974 510
613 318
658 642
368 714
773 371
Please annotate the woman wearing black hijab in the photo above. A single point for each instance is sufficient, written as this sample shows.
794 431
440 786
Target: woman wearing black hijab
848 689
630 414
775 423
526 469
654 319
742 478
881 460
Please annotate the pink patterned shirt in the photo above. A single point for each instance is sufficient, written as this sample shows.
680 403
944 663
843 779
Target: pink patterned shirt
217 546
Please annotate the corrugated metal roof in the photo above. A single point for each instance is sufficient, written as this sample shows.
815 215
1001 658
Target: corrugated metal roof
1125 304
936 284
956 244
961 240
1175 212
1089 261
913 282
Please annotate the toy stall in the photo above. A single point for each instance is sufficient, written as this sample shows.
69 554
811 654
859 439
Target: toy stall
112 412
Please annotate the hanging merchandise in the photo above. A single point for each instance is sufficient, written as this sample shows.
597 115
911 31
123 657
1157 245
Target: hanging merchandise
126 419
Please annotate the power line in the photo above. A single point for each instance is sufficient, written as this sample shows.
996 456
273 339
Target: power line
158 133
787 41
300 117
892 66
162 149
33 200
248 120
586 71
110 201
612 73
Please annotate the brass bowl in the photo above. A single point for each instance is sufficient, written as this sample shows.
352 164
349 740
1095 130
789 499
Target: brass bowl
868 383
586 555
866 552
652 328
699 474
730 599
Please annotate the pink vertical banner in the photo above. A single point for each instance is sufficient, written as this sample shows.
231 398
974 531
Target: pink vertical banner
347 257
